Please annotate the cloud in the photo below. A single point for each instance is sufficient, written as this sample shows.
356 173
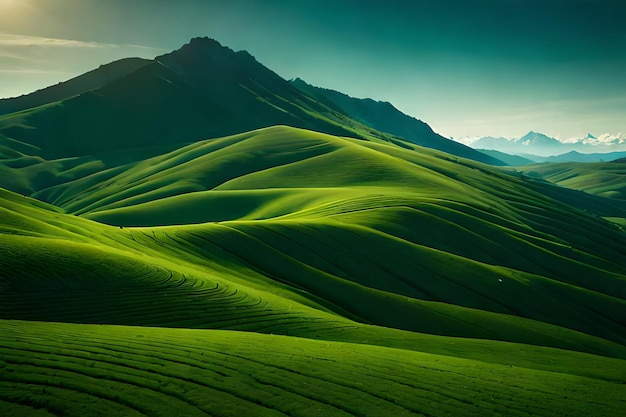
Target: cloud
32 71
610 139
9 40
28 63
14 40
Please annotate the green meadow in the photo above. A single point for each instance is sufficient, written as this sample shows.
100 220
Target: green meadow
283 271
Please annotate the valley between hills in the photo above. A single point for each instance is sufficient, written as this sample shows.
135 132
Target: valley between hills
194 235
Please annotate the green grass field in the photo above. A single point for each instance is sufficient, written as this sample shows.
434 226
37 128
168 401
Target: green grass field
73 369
288 272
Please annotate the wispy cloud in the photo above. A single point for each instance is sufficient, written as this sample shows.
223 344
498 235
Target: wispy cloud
605 139
28 62
9 40
32 71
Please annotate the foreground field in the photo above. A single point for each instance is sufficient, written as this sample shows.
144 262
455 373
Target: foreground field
82 370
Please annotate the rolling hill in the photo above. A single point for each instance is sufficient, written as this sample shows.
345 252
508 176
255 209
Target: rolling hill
607 179
335 270
280 242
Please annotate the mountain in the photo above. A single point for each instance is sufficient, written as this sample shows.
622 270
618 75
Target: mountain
539 141
200 91
91 80
384 117
540 147
530 143
512 160
574 156
500 144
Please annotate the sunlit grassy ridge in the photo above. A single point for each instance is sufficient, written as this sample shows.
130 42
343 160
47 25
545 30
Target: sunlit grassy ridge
290 232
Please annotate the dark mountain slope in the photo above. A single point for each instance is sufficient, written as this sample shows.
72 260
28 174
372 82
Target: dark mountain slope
383 116
509 159
201 90
83 83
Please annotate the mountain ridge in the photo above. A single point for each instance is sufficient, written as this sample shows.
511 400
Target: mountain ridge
199 91
544 146
88 81
383 116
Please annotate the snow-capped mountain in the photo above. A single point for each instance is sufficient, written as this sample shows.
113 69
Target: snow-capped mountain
535 143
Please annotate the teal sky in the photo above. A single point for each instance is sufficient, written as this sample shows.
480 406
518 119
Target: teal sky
466 67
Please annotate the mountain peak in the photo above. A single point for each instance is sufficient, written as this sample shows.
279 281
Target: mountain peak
197 47
532 134
203 41
203 56
536 138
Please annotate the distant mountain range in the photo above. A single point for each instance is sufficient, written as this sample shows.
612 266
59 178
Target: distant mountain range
572 156
539 144
202 90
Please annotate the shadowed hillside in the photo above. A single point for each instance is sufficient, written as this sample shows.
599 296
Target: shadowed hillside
385 117
200 91
91 80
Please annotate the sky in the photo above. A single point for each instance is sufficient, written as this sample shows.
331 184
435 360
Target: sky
468 68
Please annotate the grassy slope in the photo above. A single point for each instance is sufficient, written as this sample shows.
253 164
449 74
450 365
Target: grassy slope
607 179
294 257
63 268
85 369
417 209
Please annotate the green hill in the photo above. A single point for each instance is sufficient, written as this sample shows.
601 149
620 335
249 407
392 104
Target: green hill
155 262
289 203
607 179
